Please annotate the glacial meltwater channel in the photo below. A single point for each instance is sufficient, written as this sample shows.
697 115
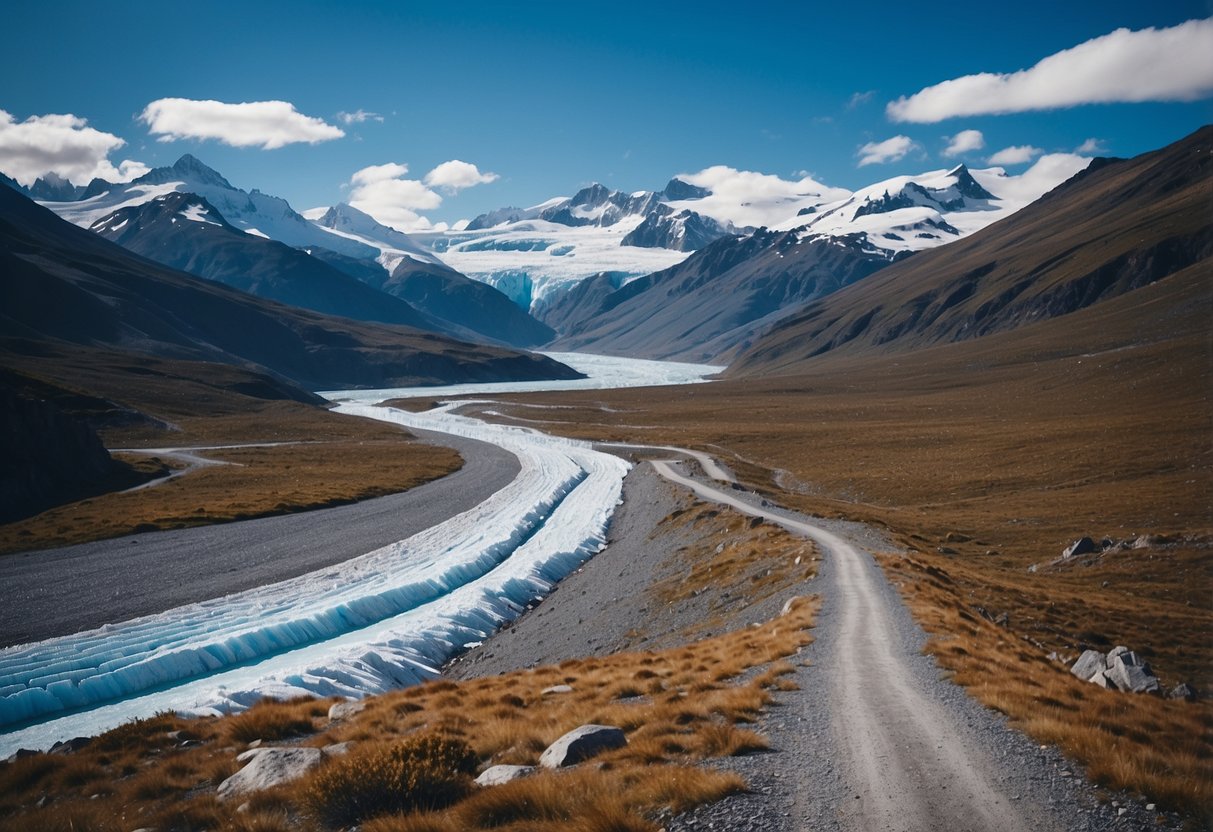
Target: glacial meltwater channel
385 619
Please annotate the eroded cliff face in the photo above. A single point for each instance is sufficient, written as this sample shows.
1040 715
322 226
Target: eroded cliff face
47 457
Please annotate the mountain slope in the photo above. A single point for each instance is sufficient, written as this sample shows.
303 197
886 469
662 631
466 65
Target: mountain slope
63 288
1112 229
720 296
183 231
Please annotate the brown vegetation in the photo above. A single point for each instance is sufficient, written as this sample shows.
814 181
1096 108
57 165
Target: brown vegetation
327 459
677 706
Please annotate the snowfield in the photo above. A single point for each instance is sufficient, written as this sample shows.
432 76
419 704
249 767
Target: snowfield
384 620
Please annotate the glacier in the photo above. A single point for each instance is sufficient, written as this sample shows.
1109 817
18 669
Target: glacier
386 619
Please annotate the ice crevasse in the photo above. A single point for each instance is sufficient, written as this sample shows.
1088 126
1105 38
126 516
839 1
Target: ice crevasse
380 621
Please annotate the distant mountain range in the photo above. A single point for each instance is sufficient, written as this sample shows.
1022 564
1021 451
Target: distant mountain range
1118 227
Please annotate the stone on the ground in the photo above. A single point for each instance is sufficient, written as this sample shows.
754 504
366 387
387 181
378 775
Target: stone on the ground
1130 673
68 746
245 756
338 749
791 603
581 744
1181 691
1081 546
556 689
500 775
1118 650
20 754
1088 664
270 767
1103 680
345 710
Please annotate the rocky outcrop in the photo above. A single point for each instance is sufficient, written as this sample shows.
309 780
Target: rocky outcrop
47 457
1120 669
582 744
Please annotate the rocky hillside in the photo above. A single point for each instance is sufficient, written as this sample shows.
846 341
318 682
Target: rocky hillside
1110 230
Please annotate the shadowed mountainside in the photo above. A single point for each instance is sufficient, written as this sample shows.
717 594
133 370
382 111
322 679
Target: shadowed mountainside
1118 226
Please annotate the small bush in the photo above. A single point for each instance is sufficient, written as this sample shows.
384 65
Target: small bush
424 772
269 720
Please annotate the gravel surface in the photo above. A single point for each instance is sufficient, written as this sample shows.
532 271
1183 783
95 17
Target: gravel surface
62 591
861 746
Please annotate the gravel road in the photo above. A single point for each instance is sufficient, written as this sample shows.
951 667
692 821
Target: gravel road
62 591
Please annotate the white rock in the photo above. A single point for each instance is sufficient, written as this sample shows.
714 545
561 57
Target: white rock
345 710
338 749
581 744
1089 663
270 767
500 775
556 689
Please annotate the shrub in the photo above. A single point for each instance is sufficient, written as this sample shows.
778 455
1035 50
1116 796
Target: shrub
424 772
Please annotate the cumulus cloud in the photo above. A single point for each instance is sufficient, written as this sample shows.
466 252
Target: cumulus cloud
1048 172
358 116
890 150
965 141
63 144
1174 64
1015 155
1091 146
746 197
454 176
387 194
265 124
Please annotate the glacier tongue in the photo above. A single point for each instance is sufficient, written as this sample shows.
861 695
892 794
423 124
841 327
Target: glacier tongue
386 619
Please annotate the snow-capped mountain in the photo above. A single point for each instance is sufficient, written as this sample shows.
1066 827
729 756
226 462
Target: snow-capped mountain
347 232
534 254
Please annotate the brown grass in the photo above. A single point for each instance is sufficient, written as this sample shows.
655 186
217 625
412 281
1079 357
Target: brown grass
987 457
678 706
333 459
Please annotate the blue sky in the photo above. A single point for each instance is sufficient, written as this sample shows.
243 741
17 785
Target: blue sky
552 96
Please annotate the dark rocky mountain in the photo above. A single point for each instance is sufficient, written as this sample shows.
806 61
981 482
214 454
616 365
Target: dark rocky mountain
563 311
599 206
67 294
719 297
189 169
54 188
1111 230
676 190
683 230
446 295
966 194
9 182
185 232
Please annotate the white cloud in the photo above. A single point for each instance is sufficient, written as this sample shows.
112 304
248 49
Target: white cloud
890 150
1048 172
965 141
358 116
455 175
265 124
858 98
1092 146
384 192
62 144
1015 155
746 197
1174 64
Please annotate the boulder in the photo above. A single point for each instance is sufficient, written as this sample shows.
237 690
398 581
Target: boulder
1118 650
1130 673
345 710
1103 680
270 767
338 749
1082 546
68 746
581 744
1181 691
1089 663
500 775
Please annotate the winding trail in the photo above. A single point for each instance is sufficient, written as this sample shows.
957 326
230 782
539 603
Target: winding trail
909 763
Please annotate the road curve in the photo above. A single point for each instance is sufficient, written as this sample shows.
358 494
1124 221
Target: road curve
57 592
909 764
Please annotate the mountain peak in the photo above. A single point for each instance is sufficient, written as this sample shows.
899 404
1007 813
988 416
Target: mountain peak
190 167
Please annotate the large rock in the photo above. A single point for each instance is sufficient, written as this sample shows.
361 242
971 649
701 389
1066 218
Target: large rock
1081 546
270 767
581 744
500 775
1089 663
1130 673
347 709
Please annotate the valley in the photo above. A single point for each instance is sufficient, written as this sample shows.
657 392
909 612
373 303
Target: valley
747 501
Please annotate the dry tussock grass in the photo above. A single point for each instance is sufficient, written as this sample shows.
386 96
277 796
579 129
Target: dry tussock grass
332 459
1159 748
678 706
